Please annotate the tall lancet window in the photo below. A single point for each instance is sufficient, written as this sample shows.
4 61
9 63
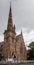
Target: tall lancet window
21 48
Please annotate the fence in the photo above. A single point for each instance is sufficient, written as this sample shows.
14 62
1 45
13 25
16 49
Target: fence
27 62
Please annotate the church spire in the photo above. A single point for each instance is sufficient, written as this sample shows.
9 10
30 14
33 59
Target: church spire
14 26
21 32
10 22
14 29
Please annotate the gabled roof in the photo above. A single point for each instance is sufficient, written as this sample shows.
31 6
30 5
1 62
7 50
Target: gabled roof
17 37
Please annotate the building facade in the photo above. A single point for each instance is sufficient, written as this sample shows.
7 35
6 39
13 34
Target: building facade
14 46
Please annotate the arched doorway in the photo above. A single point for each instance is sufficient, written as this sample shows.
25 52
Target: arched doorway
14 55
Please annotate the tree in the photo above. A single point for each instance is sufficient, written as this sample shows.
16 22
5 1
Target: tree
30 55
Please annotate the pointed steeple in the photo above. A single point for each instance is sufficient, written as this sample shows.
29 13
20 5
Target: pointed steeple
10 22
14 29
14 26
21 32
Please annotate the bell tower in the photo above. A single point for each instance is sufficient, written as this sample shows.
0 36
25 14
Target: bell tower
9 37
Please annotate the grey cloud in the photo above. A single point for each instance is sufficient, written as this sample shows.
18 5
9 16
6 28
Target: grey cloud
23 14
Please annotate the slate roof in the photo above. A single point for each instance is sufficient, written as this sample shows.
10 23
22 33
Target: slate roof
17 37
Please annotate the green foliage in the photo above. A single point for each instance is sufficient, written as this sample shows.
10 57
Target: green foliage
31 45
30 55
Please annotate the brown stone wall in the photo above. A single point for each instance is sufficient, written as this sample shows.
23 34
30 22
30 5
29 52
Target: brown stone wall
9 44
21 54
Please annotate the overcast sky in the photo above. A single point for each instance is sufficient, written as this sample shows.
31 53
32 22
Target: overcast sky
23 17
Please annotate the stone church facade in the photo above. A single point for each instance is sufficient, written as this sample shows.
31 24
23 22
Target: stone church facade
14 46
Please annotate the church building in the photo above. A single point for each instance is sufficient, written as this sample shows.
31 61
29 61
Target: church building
14 45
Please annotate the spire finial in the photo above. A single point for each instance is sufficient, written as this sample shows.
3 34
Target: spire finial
21 31
14 26
14 29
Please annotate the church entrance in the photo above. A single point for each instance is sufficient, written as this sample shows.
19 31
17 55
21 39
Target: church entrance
14 56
